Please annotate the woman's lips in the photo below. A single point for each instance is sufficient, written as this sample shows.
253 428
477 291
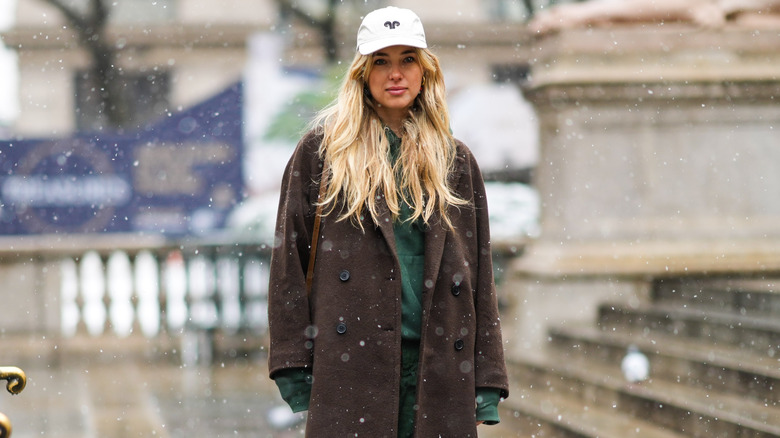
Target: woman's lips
396 91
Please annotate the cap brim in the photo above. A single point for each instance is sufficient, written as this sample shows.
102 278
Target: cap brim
372 46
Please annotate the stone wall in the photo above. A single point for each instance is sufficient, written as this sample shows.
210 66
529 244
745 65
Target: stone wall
658 157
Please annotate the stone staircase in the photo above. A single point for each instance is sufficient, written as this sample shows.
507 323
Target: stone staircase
714 352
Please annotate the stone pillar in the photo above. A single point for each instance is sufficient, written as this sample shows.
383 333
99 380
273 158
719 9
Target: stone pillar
30 298
660 156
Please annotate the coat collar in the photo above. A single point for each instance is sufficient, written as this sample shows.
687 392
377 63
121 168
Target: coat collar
434 248
436 234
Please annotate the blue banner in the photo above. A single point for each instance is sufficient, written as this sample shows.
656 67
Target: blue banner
181 176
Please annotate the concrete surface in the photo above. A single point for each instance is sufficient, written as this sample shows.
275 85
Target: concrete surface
126 398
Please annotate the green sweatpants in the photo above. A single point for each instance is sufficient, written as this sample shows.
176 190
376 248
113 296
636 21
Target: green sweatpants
410 355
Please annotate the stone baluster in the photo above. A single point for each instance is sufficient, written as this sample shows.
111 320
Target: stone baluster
255 284
119 279
147 285
175 287
70 312
229 290
92 284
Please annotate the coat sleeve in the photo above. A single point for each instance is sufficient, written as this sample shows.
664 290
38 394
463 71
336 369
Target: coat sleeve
288 304
490 367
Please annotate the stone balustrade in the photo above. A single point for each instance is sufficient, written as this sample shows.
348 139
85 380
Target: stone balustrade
141 294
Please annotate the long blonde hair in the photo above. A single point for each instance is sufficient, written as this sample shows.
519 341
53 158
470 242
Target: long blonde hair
357 149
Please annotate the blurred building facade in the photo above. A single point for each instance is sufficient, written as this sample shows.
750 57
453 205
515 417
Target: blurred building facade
192 49
197 48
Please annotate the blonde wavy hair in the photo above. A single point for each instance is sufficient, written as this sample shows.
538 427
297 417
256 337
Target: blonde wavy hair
357 149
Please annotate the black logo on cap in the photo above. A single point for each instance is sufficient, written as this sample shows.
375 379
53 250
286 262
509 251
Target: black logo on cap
392 24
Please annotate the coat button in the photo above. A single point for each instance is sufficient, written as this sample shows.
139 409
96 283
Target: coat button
456 289
344 275
459 344
341 328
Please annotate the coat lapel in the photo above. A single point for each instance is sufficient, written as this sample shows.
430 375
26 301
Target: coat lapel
386 226
435 237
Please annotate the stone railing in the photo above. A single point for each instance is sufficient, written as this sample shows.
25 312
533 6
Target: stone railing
132 294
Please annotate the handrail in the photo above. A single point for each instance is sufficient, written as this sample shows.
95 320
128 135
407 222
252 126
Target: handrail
17 380
57 246
5 426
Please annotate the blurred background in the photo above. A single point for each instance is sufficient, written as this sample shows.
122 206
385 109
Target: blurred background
84 67
142 146
630 156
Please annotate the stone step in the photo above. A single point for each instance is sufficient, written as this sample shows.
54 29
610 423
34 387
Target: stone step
686 410
760 334
538 412
749 297
711 367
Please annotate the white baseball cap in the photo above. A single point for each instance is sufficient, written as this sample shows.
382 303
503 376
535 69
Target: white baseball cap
390 26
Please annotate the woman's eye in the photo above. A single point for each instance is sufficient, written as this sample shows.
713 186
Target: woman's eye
410 59
380 61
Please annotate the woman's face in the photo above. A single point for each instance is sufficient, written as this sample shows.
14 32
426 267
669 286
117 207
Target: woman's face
395 81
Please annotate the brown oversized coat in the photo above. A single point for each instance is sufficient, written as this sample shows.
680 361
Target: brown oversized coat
352 340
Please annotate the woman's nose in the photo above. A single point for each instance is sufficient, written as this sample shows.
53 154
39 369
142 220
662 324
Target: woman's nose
395 73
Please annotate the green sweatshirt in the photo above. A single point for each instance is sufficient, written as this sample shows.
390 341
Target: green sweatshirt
410 247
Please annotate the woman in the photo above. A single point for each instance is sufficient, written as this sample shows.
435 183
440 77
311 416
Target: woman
400 335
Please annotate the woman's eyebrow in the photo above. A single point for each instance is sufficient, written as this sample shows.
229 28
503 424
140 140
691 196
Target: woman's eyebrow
405 52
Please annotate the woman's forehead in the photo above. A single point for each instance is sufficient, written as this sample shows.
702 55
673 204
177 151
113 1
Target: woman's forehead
395 50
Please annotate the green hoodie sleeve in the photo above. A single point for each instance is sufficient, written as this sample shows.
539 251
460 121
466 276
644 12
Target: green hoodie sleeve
487 405
295 387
